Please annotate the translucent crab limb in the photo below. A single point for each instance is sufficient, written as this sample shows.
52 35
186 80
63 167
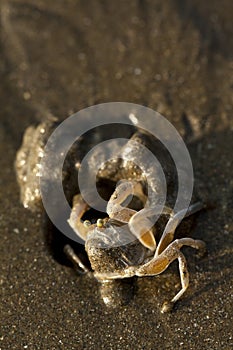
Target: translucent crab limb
158 264
78 209
140 224
173 222
123 190
116 211
75 259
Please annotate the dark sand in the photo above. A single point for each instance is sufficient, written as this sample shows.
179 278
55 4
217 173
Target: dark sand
173 56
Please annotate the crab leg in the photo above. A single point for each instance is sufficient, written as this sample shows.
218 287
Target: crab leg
74 258
173 222
116 211
124 189
141 223
159 263
141 220
78 209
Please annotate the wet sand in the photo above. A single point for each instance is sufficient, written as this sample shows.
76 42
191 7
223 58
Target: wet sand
173 56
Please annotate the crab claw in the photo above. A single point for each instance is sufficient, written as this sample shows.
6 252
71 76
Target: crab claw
146 237
78 209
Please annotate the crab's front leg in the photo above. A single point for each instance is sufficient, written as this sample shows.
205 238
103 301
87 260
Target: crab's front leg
116 211
78 209
80 228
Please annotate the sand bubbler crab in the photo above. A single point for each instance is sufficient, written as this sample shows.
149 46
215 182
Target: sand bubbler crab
150 260
124 242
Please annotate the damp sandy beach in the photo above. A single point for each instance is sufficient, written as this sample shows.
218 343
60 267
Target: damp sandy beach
172 56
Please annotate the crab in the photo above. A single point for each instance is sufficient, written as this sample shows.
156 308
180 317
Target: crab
122 244
148 259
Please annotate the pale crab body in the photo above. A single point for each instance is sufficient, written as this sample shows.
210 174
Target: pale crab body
111 249
123 244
